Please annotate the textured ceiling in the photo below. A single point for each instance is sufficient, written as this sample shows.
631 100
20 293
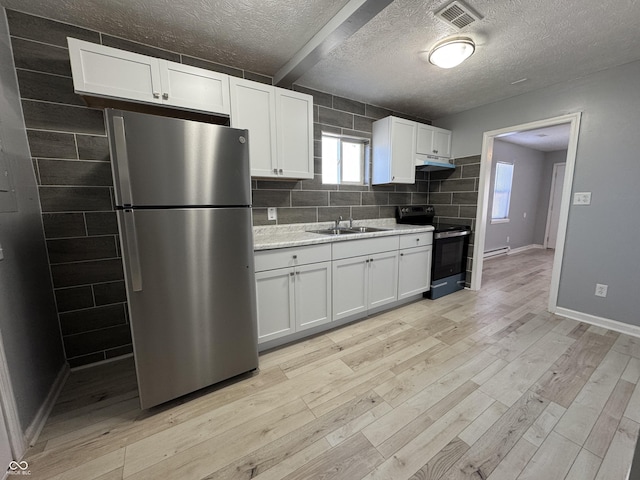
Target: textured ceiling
256 35
544 41
547 139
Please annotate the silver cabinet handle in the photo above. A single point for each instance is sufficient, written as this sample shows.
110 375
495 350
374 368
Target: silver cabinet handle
281 172
275 170
134 255
366 261
291 274
417 239
156 95
295 256
297 273
122 161
371 260
165 96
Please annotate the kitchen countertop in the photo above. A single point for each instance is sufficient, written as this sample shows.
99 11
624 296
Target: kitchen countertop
296 235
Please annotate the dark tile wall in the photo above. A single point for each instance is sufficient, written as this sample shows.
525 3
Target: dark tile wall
454 194
72 166
308 201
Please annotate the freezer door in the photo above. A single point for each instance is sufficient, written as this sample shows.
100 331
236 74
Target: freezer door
160 161
191 289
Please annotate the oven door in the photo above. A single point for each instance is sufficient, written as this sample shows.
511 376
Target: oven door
449 257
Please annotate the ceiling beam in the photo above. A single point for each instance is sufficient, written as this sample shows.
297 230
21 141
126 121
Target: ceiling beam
353 16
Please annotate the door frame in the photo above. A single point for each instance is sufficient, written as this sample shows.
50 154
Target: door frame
9 408
554 174
486 161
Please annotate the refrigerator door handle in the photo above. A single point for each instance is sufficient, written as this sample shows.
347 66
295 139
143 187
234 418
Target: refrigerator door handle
122 160
131 237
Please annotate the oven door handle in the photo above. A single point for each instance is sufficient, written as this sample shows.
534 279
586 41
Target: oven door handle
442 235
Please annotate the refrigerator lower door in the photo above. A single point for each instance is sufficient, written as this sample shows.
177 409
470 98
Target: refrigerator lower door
190 286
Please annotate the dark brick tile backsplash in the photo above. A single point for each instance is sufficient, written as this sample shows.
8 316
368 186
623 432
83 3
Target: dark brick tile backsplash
51 144
86 273
96 318
67 250
41 58
97 340
48 88
347 105
74 298
92 147
101 223
74 172
52 116
66 199
111 292
58 225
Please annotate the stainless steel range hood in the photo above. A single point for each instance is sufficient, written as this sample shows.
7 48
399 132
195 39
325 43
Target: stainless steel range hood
427 163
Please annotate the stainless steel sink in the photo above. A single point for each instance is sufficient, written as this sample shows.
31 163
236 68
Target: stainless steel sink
367 229
334 231
347 231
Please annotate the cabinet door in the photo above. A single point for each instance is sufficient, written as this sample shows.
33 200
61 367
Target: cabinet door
424 139
441 142
383 278
350 286
194 88
313 295
403 140
294 117
275 303
109 72
414 271
253 108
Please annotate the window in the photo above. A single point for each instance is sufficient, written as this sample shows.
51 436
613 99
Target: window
344 160
502 192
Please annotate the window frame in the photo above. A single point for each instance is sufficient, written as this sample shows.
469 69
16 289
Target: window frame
365 158
509 192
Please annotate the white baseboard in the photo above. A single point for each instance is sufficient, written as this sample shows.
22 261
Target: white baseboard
33 431
513 251
614 325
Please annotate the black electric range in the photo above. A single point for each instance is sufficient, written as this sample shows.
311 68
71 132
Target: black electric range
450 248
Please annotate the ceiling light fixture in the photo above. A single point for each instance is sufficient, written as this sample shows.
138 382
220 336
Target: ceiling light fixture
451 52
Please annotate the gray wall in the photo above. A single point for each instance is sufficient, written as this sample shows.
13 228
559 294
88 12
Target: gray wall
607 165
528 170
550 159
28 320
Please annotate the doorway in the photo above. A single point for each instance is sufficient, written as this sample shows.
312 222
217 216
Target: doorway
555 201
573 120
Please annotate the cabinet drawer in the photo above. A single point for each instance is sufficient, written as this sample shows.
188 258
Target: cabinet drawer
290 257
416 239
365 246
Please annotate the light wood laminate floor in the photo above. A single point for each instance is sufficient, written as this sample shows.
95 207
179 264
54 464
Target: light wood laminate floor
475 385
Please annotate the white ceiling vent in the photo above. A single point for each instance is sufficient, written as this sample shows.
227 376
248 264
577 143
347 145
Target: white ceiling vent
458 15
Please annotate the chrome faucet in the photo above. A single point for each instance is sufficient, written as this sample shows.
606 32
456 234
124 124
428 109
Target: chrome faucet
338 222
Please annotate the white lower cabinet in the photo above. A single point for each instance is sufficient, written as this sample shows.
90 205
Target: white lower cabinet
299 288
414 271
296 297
365 282
276 308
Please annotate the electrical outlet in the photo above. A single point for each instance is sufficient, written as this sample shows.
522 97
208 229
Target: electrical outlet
582 198
507 239
272 213
525 215
601 290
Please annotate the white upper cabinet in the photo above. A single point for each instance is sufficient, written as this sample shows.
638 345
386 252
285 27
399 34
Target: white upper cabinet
394 141
108 72
194 88
280 124
294 126
253 107
433 141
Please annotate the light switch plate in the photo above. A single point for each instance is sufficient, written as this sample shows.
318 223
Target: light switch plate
601 290
582 198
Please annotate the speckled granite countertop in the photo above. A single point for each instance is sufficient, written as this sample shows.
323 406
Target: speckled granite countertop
297 235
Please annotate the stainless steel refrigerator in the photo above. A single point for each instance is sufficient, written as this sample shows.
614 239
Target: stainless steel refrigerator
183 195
